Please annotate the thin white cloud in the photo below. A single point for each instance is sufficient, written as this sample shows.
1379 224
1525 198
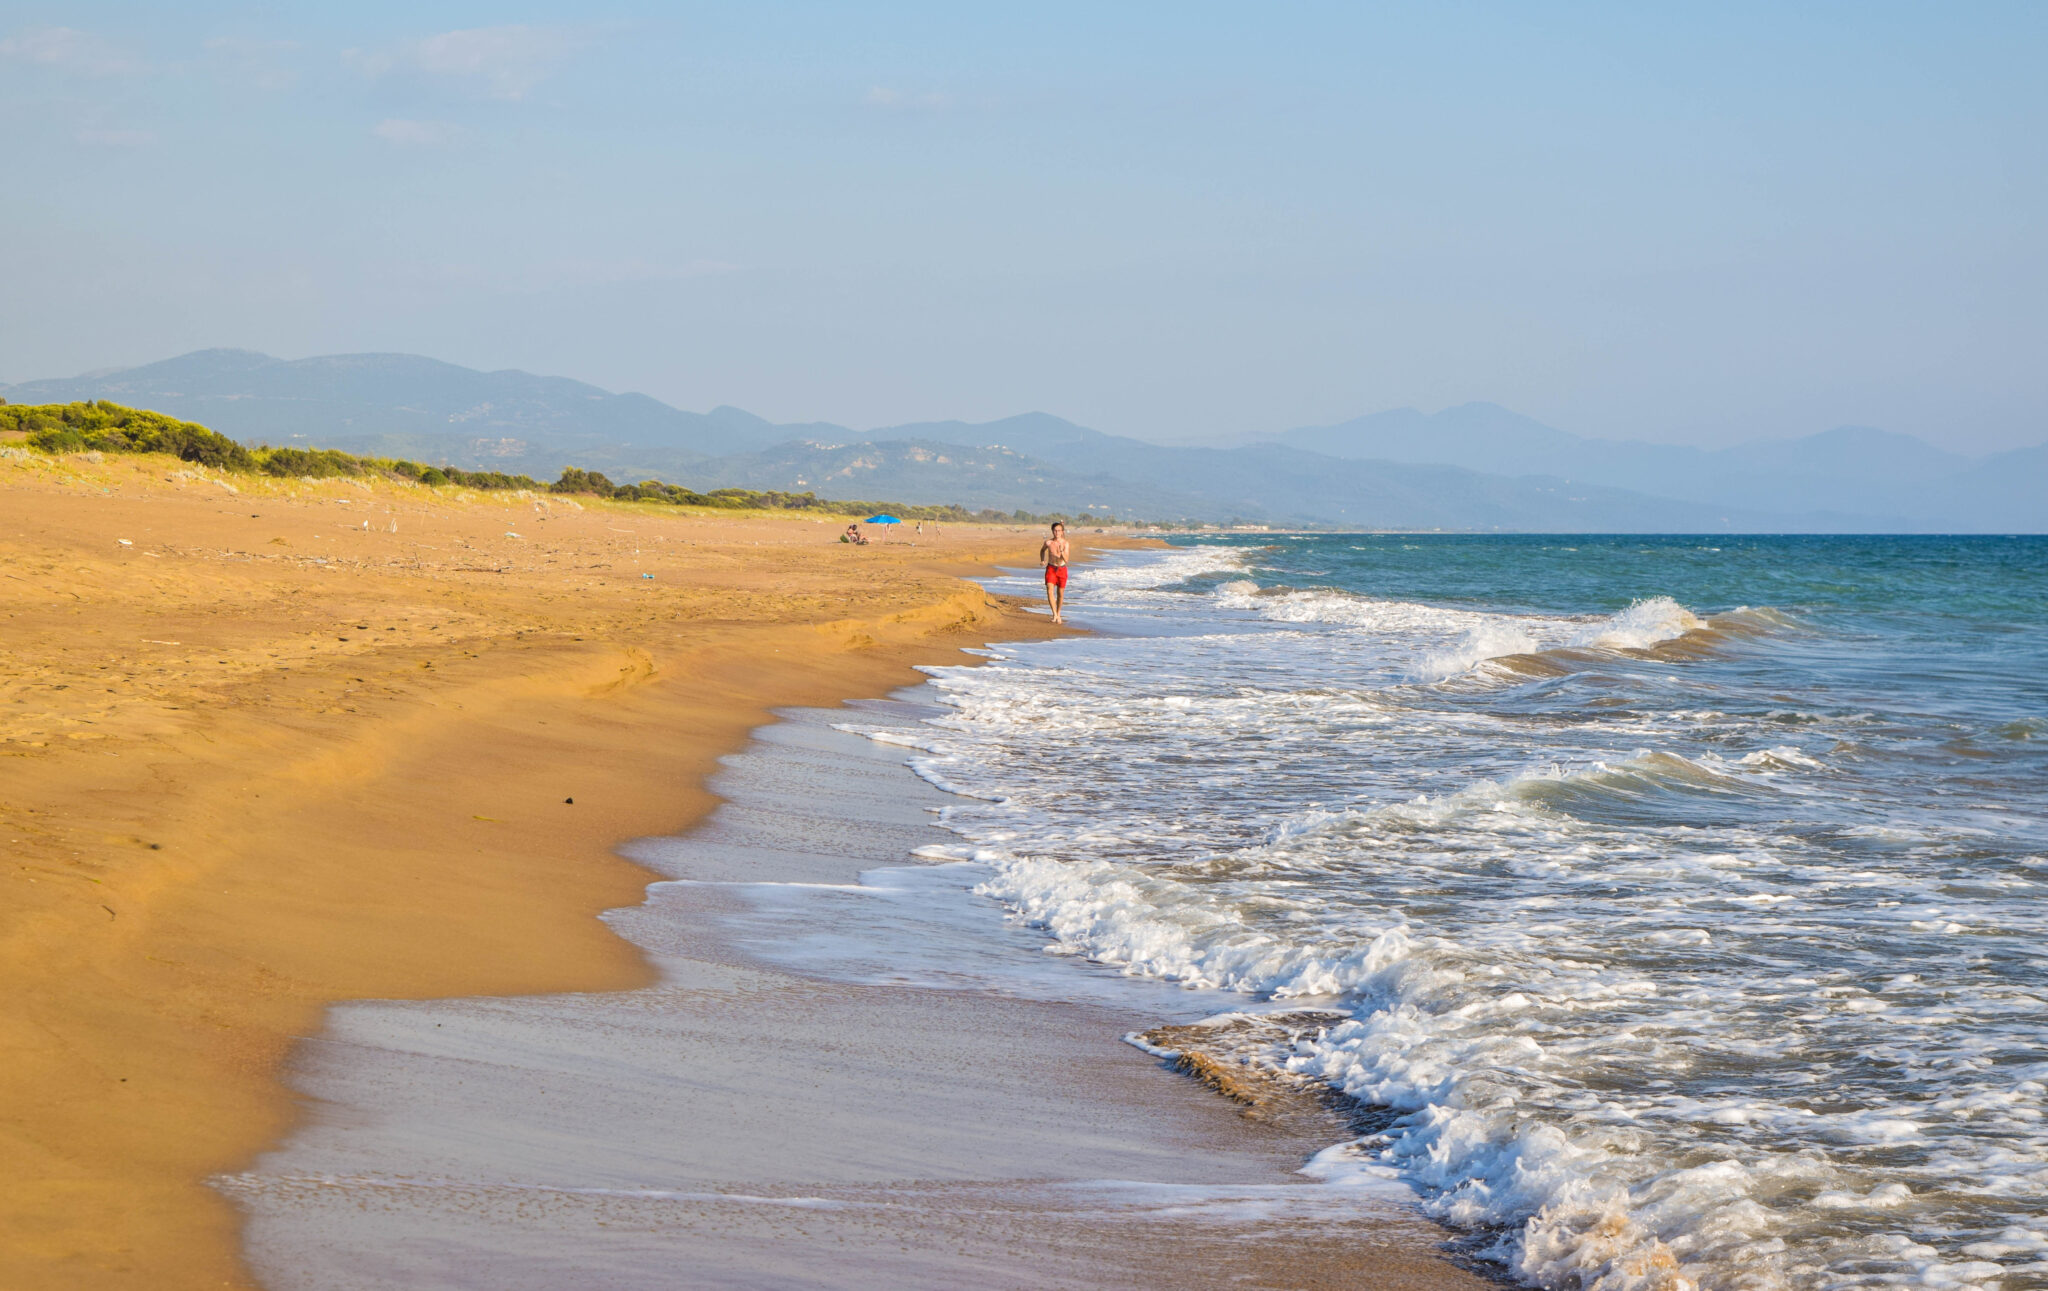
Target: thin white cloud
419 134
66 49
497 62
881 96
606 273
264 64
557 275
116 138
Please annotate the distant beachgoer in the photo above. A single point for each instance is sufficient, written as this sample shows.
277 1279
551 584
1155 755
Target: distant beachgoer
854 535
1054 556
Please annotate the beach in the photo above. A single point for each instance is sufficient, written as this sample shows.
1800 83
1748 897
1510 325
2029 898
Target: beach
848 1075
260 758
542 892
274 745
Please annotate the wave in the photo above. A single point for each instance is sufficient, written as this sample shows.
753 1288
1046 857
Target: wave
1745 622
1592 986
1753 621
1162 570
1552 793
1432 1051
1480 638
1642 625
1434 1036
1658 626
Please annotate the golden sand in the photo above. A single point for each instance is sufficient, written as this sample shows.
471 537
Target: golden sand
270 744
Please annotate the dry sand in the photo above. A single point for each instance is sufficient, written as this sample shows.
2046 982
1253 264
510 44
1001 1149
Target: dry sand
260 757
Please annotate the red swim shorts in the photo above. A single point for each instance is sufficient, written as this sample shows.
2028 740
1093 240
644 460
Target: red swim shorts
1056 575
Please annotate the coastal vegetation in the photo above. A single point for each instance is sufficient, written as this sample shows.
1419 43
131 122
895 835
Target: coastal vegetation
110 428
102 426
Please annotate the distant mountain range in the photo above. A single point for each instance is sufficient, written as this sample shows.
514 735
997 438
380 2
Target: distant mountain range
1894 481
1477 467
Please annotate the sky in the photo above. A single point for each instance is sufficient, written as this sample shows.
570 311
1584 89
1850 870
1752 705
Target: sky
1699 224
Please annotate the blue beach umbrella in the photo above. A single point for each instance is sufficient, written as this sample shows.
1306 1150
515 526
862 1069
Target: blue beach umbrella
884 518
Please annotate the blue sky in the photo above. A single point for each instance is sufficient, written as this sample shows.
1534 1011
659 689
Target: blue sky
1702 224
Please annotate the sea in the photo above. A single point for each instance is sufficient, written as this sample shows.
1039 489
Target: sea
1677 906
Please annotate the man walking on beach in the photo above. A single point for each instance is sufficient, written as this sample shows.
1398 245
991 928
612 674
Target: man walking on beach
1054 556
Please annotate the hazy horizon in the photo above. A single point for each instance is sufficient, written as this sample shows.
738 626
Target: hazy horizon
1176 225
1218 438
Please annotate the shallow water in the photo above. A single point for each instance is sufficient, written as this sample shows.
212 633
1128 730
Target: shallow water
851 1075
1685 896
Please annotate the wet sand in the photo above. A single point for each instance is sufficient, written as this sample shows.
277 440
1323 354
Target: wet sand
829 1087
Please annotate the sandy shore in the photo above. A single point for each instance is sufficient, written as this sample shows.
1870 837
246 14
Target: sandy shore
836 1084
268 746
265 745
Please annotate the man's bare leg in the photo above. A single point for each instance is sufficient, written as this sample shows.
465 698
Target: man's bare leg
1054 595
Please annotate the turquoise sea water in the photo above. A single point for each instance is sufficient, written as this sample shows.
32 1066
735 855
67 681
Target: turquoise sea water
1682 901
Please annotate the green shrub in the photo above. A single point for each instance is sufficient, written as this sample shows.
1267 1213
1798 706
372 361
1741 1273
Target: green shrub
319 463
109 428
488 479
577 480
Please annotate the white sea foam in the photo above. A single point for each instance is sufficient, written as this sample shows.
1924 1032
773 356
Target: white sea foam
1655 999
1642 625
1159 570
1470 638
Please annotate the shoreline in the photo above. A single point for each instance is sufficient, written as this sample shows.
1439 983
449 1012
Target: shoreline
330 762
828 1085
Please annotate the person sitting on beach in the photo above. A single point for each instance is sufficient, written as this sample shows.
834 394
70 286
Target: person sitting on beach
1054 556
853 535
